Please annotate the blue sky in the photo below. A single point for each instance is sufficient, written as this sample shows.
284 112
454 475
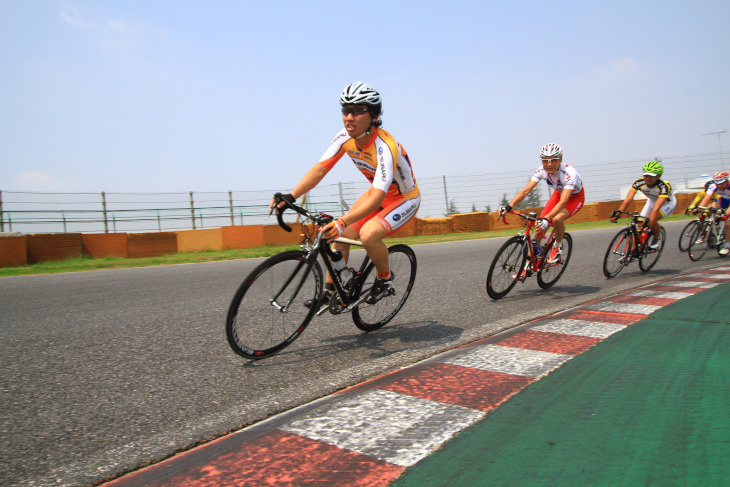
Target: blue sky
154 96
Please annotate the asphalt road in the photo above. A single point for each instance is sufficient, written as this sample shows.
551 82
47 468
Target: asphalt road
107 371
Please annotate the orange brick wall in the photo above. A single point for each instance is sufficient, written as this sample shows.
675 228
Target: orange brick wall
151 244
243 237
199 240
98 245
13 251
53 246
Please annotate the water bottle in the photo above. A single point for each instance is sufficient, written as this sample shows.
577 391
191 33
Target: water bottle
536 248
338 263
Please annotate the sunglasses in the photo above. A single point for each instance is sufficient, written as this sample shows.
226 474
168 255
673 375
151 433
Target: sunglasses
354 110
551 159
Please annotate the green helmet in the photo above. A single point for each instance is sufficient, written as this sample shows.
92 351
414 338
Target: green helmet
653 168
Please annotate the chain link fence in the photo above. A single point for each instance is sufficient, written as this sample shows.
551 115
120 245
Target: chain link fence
35 212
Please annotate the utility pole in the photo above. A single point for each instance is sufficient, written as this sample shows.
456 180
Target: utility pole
719 143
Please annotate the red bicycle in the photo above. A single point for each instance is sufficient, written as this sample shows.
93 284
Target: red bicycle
522 256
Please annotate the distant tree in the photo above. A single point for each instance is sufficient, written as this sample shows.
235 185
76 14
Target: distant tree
504 201
489 209
474 207
452 209
531 201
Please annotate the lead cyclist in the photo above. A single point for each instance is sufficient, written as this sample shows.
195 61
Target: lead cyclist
389 203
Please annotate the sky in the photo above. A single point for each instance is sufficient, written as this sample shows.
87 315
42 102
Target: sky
182 95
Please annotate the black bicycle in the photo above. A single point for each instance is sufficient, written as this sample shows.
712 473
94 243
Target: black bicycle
280 297
630 244
706 234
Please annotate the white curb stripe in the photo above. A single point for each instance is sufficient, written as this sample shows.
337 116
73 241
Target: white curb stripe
508 360
593 329
391 427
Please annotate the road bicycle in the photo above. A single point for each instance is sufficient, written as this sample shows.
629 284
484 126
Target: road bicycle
687 232
522 255
706 234
630 244
279 298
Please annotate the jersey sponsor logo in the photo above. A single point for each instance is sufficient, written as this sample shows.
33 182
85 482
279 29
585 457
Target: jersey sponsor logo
396 217
380 150
382 168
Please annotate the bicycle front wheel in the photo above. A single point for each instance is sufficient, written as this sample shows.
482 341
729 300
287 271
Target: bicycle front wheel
685 238
268 312
506 267
618 253
403 266
700 241
650 257
550 273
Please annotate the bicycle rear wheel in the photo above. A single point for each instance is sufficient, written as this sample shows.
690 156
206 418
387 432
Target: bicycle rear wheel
268 311
650 257
686 235
506 267
618 253
550 273
403 266
700 242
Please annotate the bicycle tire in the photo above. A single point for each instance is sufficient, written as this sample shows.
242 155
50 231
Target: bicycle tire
700 242
255 326
618 253
686 235
505 267
649 258
403 266
550 273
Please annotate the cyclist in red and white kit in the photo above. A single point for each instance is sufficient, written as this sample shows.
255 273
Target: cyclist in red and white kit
391 201
720 189
567 198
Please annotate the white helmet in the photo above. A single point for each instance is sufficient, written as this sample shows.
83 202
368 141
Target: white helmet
359 92
551 150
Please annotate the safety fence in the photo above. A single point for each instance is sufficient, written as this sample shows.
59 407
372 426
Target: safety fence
106 212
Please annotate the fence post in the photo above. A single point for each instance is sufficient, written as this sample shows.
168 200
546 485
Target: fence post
103 205
63 216
446 195
192 209
230 205
2 215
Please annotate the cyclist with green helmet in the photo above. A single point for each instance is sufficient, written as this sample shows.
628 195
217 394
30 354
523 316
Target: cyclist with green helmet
660 200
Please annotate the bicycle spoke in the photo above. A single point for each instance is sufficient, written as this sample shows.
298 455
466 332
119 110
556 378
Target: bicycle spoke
268 312
403 266
618 254
550 273
650 257
505 268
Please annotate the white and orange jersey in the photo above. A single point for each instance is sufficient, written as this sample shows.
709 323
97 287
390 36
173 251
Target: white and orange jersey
383 161
566 177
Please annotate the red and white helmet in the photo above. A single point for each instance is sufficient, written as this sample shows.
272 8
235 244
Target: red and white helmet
720 177
551 150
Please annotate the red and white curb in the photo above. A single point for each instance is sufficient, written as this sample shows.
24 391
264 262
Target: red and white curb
369 434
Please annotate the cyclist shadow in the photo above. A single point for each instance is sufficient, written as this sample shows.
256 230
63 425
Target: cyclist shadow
557 291
397 337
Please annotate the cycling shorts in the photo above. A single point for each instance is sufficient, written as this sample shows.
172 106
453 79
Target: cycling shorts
395 212
575 203
666 209
724 202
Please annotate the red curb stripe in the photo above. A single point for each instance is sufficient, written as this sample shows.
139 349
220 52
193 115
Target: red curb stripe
670 288
550 342
279 459
602 316
463 386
